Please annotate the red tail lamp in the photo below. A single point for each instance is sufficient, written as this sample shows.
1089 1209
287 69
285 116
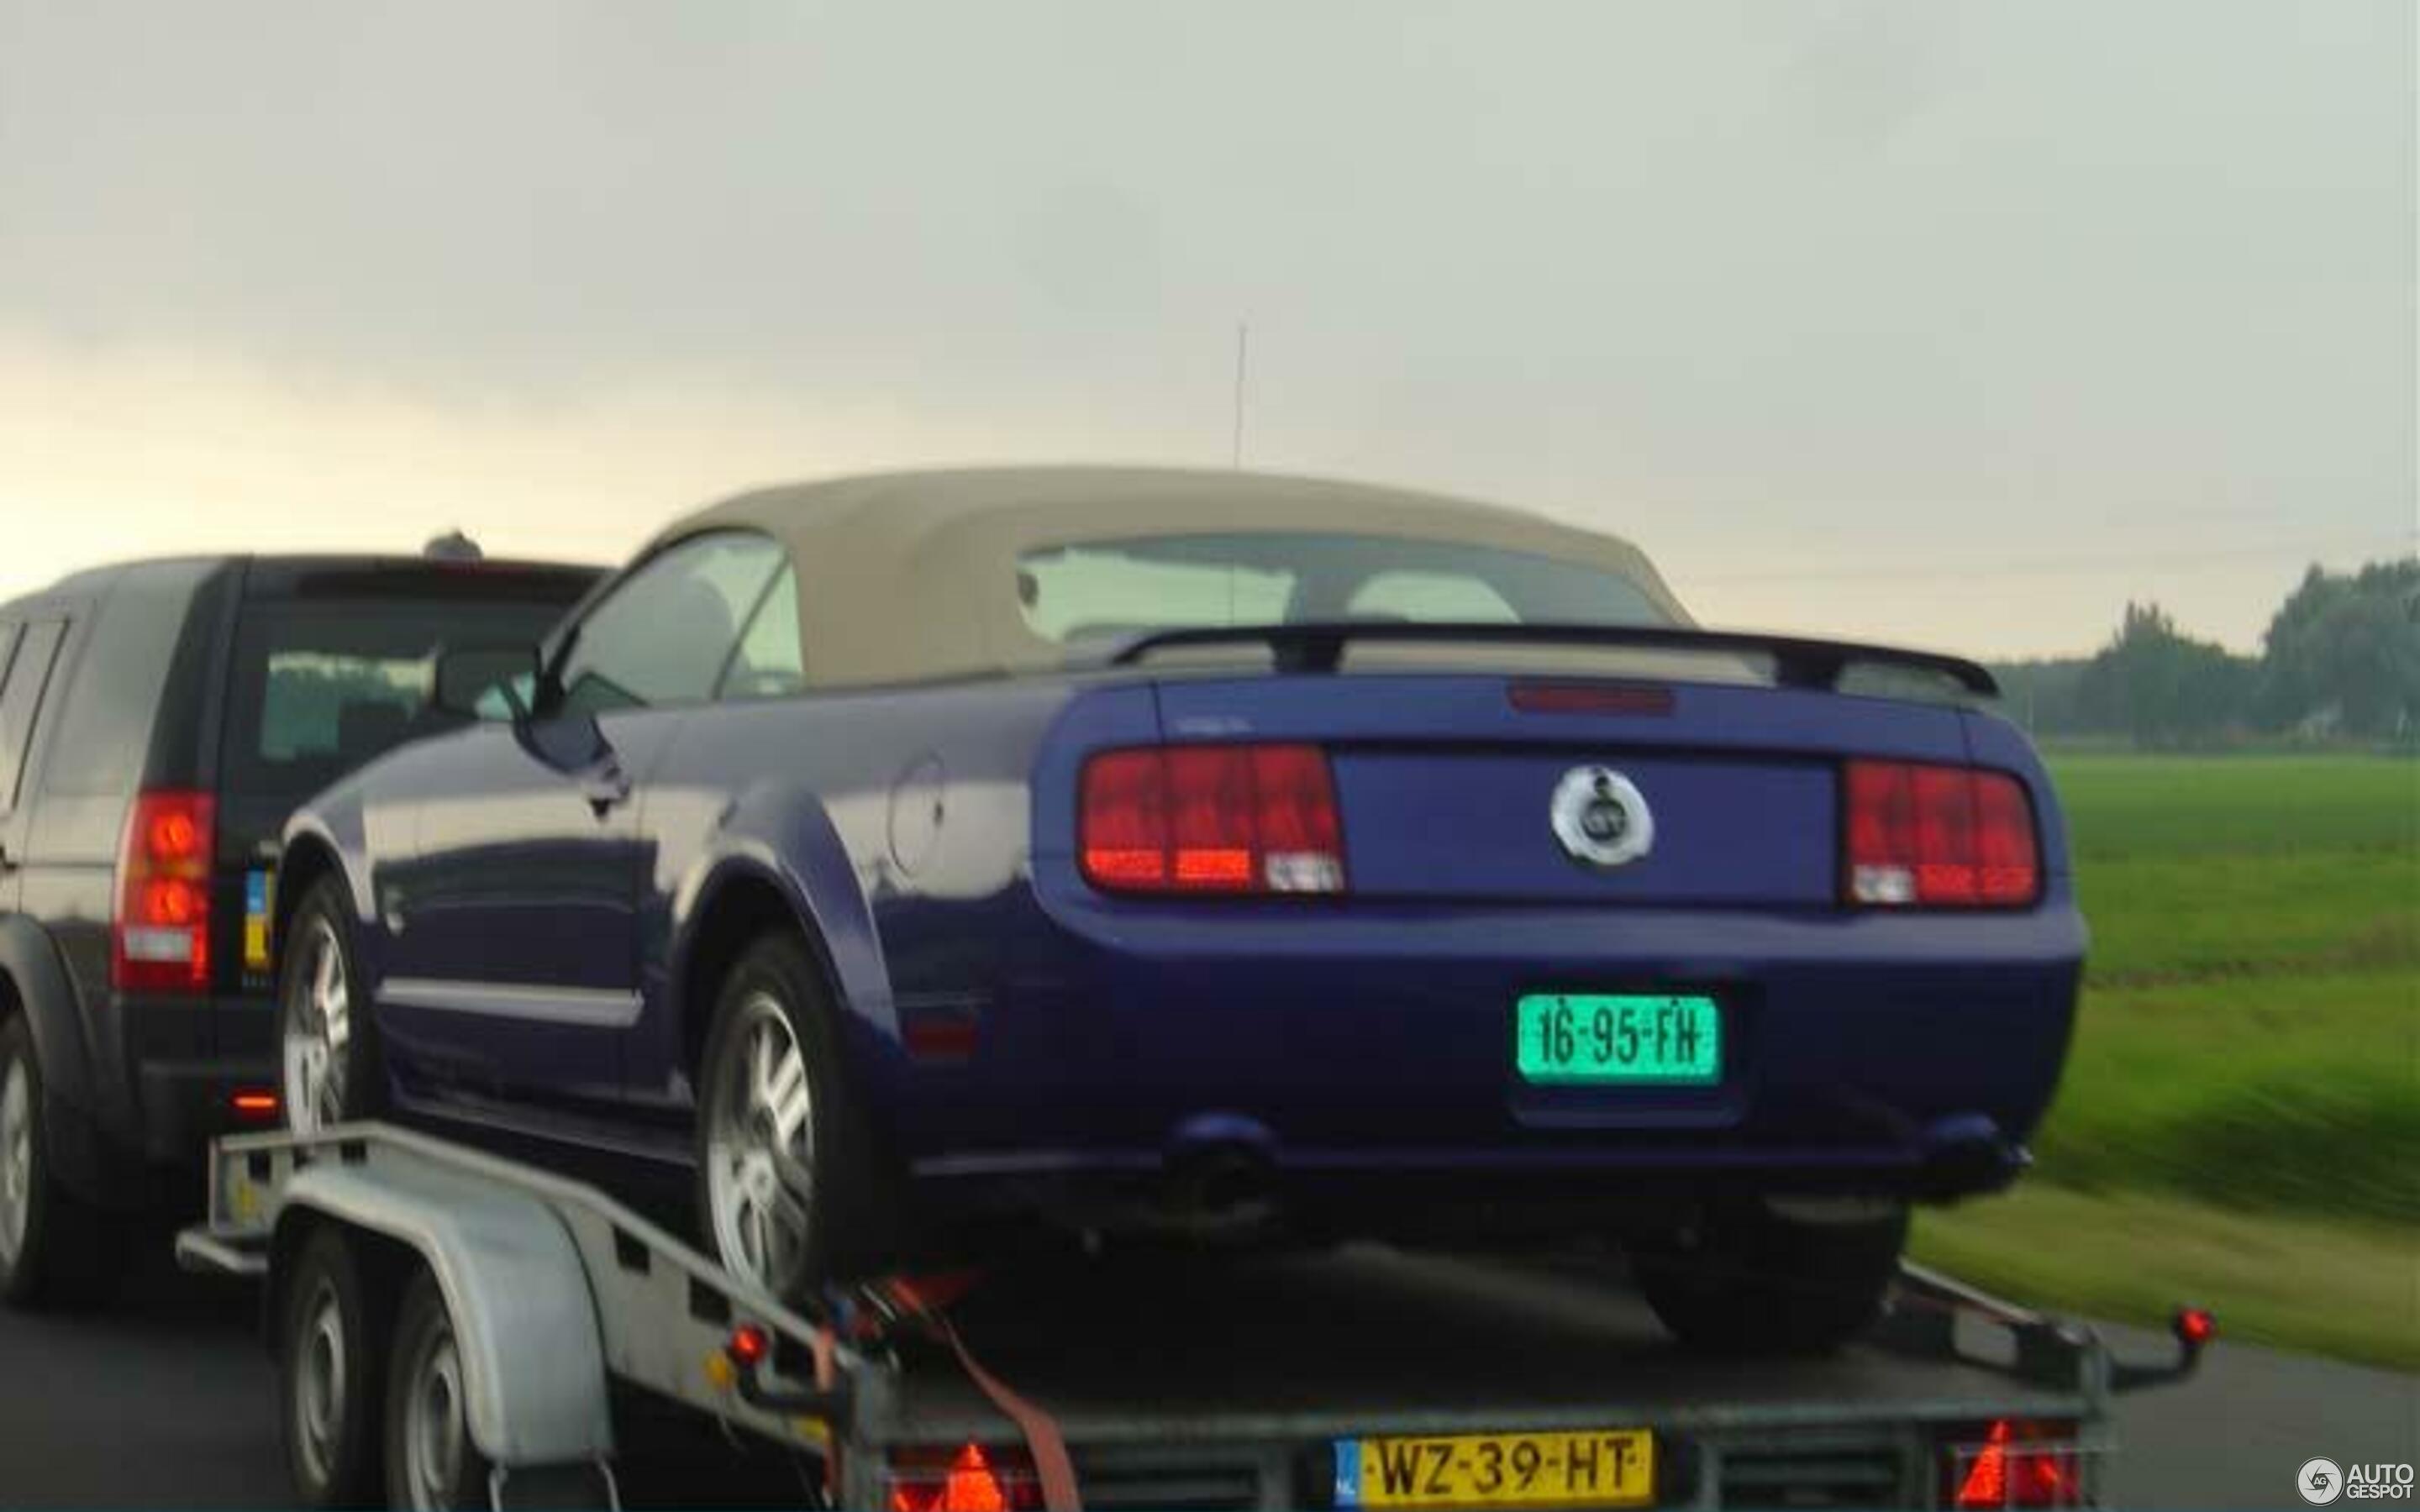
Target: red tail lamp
969 1479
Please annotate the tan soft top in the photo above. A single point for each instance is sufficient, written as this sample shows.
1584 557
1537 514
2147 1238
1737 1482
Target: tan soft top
907 577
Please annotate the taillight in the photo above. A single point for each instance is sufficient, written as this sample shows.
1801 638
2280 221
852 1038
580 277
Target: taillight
160 940
1938 837
1212 819
969 1479
2018 1464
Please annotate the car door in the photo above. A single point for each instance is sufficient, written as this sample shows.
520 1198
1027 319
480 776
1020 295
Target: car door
511 946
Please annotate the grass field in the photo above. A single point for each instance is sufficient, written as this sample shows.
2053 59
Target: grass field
2240 1122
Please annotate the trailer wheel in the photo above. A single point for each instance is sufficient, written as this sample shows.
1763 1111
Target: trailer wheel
1754 1280
328 1383
431 1465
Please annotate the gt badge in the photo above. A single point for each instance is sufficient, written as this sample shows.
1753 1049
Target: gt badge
1601 817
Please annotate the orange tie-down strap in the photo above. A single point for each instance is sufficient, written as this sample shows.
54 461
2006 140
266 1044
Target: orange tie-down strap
1043 1440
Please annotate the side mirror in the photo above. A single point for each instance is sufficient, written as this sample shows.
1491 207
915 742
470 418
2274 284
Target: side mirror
485 682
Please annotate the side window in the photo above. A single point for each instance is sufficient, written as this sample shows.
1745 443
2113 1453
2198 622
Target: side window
664 635
769 663
20 699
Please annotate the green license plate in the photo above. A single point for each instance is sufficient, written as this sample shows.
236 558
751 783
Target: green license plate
1590 1038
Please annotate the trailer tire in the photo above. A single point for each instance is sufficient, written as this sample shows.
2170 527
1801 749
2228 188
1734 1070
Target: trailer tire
328 1383
1750 1280
431 1461
774 991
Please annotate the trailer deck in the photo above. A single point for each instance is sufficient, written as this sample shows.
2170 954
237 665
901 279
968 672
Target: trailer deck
1171 1380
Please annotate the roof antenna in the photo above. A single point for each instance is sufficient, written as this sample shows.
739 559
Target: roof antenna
452 546
1243 335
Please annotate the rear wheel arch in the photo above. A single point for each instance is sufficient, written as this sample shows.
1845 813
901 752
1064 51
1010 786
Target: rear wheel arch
34 984
308 860
738 908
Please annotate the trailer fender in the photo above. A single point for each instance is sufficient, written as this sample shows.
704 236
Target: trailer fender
525 1324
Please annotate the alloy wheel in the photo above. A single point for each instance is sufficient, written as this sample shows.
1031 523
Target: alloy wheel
760 1148
317 1035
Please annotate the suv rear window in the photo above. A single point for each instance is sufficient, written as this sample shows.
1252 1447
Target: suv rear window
324 681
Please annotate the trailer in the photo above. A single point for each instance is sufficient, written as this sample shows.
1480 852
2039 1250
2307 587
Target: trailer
454 1328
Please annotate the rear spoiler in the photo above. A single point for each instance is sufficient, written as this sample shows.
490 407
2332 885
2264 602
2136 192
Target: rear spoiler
1797 661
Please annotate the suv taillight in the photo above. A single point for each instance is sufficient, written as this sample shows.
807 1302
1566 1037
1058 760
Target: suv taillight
1938 837
1211 819
160 940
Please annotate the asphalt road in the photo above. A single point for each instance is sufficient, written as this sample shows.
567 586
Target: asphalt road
165 1399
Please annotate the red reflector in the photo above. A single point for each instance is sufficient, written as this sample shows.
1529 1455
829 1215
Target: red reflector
748 1344
251 1104
2019 1465
160 940
1222 819
943 1035
1938 837
974 1479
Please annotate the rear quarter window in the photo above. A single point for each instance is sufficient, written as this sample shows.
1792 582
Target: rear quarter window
113 689
24 671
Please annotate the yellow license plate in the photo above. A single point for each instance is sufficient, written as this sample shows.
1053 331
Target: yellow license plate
1606 1468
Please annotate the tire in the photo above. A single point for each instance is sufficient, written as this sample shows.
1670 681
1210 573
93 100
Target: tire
329 1066
52 1245
796 1152
1755 1281
329 1385
431 1462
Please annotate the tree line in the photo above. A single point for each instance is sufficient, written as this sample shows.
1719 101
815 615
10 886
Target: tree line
2340 664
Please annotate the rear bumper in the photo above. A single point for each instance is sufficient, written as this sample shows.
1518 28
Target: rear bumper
1465 1191
1343 1050
178 1064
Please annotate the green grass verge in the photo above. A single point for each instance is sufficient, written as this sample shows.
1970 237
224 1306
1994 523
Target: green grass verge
2240 1119
2298 1091
2351 1292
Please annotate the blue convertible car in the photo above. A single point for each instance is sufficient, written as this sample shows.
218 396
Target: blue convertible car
1134 848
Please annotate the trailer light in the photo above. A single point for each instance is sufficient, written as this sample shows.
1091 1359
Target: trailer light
1249 819
969 1479
251 1102
2018 1464
748 1345
2195 1327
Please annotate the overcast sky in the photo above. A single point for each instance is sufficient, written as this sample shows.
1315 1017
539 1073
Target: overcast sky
1947 323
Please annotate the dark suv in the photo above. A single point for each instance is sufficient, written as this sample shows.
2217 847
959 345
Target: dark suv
158 721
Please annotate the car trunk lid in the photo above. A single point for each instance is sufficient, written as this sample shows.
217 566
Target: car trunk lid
1471 786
